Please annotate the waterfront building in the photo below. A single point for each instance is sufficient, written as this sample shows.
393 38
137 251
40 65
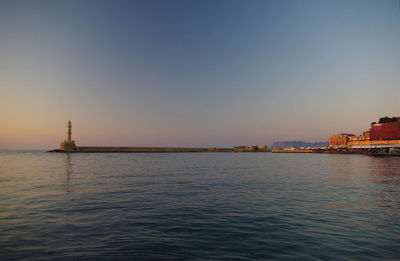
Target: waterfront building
261 147
340 140
366 135
385 130
383 137
251 148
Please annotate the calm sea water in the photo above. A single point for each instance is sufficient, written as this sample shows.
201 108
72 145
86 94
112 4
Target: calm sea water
198 206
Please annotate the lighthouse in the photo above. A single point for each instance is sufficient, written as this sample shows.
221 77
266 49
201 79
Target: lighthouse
68 144
69 131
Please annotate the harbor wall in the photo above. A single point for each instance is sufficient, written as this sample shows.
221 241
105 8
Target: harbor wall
140 149
161 149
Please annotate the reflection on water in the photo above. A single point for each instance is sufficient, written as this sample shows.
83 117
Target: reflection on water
68 172
379 178
378 170
386 175
198 206
386 170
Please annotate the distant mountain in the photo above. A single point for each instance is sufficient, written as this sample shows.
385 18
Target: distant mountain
298 144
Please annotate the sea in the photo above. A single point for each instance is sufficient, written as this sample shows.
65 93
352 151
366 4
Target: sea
198 206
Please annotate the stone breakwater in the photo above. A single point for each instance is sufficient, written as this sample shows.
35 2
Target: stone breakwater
69 145
84 149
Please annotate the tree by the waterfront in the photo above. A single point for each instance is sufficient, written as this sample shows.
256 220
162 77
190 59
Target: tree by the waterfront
387 119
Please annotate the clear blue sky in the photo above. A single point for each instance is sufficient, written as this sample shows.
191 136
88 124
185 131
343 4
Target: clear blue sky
195 73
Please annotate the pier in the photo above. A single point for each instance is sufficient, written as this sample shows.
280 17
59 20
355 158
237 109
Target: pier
69 146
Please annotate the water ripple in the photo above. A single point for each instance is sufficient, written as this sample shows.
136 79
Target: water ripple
234 206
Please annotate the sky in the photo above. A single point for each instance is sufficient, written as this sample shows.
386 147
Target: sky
195 73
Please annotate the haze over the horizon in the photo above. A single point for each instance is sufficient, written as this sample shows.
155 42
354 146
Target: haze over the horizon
195 73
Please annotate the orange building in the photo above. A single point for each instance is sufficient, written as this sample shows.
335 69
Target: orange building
340 140
366 135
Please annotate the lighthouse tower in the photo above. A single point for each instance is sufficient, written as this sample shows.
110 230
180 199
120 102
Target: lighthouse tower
68 144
